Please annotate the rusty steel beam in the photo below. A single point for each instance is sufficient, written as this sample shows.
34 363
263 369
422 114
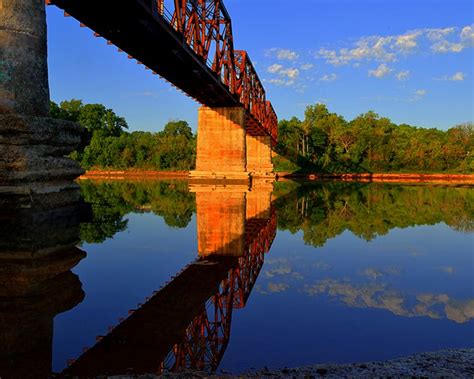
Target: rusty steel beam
203 26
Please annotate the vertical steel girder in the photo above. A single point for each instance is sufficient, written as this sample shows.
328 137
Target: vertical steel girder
207 29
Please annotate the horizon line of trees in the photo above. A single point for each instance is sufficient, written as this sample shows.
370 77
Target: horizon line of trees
106 143
321 142
326 142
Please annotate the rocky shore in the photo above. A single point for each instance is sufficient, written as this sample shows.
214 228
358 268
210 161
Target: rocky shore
456 363
446 364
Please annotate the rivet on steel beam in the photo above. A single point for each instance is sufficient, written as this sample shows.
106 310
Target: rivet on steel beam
66 14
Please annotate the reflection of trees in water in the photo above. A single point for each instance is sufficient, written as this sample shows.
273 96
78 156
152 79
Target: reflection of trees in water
323 211
112 201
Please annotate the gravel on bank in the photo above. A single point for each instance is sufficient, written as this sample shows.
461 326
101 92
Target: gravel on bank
456 363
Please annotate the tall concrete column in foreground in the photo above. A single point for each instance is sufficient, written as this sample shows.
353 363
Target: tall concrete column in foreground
32 146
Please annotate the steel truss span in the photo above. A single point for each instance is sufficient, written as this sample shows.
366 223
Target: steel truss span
187 42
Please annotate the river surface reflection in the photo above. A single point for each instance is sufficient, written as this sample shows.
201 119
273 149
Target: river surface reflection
226 278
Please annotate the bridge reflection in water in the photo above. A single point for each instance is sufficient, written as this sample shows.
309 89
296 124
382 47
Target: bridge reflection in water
187 324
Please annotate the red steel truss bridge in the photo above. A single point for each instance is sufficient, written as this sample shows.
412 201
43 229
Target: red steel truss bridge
187 323
187 42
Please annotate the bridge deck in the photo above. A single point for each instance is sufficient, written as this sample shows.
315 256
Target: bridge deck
132 26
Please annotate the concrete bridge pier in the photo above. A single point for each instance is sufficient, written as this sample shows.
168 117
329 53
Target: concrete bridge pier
221 145
33 147
259 156
228 149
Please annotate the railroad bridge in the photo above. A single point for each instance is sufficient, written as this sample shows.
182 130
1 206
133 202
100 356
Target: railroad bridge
187 42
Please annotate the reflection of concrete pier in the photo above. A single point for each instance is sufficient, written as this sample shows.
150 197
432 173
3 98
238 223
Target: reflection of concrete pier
187 323
37 252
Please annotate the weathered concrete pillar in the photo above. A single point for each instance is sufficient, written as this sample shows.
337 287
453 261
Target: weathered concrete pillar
221 145
259 156
33 148
23 58
220 221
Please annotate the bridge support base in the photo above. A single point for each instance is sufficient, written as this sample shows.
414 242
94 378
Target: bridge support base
33 147
33 162
259 156
226 152
221 145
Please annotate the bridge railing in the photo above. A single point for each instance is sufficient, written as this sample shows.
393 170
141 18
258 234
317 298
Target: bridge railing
207 29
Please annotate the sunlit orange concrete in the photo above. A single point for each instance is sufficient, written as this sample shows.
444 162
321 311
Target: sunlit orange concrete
259 156
221 144
259 202
221 222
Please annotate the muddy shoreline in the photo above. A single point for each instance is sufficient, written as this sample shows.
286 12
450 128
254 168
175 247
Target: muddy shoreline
365 177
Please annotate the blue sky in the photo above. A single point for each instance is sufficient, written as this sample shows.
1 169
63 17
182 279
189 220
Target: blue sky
410 60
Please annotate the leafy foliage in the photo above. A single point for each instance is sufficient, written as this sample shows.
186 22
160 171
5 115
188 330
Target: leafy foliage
325 142
112 201
106 144
325 210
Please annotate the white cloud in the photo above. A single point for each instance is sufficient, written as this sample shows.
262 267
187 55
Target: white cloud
457 77
274 68
467 36
281 82
407 42
328 78
307 66
291 73
420 92
381 71
282 54
389 48
403 75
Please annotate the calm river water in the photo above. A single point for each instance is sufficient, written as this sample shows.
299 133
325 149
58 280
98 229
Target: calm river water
221 278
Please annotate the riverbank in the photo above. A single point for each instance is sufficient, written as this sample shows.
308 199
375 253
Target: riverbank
458 363
455 363
365 177
133 174
384 177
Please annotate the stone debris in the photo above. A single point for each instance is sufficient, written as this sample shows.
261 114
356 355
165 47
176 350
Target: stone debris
456 363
